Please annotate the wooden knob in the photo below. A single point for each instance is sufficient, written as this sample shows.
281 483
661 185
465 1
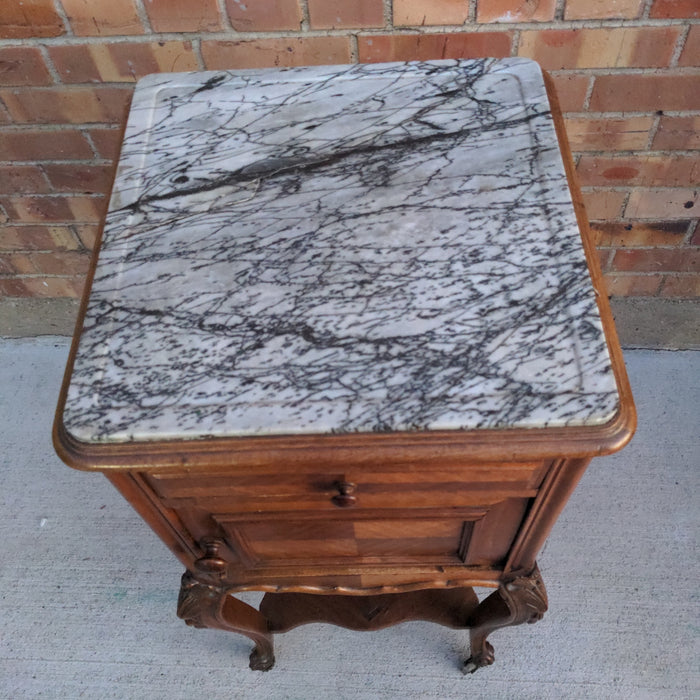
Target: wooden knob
211 562
344 498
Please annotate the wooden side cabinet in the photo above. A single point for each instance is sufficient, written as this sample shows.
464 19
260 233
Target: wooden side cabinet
346 343
383 548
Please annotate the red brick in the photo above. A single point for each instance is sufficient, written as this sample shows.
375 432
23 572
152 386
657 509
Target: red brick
621 47
73 105
603 9
121 61
604 204
25 238
183 15
107 142
636 234
283 52
15 264
22 178
515 10
88 179
45 208
663 9
37 238
425 47
571 90
138 60
30 18
43 287
264 15
74 63
418 13
65 263
613 134
657 260
338 14
632 285
641 93
642 169
6 266
90 18
23 66
682 286
690 55
10 287
677 134
31 144
663 203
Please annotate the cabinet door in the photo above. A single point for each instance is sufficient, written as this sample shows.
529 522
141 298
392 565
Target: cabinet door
472 536
321 542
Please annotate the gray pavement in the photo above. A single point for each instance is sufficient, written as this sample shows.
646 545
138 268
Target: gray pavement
88 593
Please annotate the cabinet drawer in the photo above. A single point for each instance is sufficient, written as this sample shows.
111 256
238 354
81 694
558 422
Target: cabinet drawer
471 485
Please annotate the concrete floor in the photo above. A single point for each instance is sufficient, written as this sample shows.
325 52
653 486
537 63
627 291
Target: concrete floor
87 602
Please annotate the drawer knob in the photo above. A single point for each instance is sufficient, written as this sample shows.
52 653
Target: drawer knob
344 498
211 563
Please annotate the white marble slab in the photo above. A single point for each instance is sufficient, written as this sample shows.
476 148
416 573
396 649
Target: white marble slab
334 249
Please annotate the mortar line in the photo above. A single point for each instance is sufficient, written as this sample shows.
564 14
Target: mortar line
388 15
638 153
47 195
589 92
143 16
515 42
88 137
60 11
629 114
625 203
43 50
354 49
197 51
678 49
653 129
305 25
223 16
559 11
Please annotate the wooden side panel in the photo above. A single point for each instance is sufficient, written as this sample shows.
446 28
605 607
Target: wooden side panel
494 533
164 522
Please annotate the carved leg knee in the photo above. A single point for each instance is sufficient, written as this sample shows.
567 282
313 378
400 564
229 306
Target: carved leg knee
203 604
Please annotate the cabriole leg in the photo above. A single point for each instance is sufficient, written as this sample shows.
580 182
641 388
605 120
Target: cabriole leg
521 600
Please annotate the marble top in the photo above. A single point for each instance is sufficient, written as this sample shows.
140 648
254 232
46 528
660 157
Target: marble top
386 247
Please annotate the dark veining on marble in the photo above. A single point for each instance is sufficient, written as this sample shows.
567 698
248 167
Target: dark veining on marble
418 268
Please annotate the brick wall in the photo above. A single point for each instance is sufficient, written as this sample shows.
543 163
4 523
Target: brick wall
627 72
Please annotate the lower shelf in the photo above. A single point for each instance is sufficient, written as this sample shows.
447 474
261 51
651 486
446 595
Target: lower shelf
451 607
